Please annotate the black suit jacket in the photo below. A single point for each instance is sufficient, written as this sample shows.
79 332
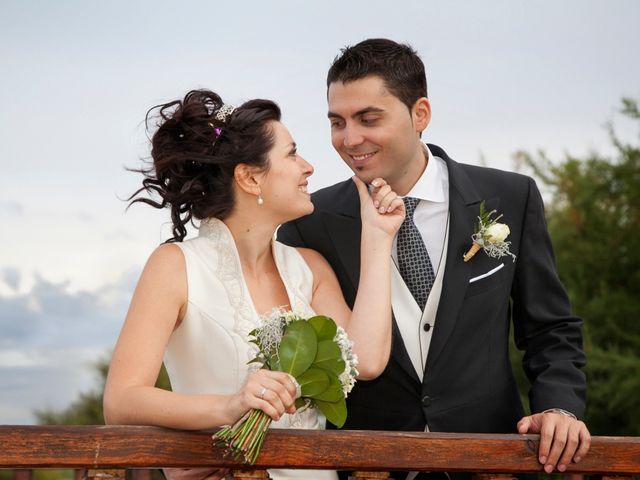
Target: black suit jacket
468 384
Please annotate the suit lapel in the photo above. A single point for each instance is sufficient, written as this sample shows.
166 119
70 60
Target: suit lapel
463 210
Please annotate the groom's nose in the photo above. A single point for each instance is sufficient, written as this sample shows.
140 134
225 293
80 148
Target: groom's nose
352 136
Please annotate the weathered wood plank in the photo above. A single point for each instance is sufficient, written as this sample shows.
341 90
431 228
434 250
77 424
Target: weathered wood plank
151 447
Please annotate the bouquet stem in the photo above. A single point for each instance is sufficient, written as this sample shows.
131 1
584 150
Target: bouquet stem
244 439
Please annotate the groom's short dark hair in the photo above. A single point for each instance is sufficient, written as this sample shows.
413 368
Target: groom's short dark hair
397 64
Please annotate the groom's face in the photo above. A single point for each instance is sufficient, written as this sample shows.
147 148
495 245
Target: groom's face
375 133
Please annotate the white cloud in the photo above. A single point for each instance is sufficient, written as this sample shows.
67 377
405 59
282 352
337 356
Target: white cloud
13 209
10 276
50 338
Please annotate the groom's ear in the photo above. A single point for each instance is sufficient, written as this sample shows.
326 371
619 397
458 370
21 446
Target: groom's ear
421 114
247 178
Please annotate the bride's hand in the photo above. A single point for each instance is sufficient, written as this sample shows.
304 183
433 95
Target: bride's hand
272 392
381 209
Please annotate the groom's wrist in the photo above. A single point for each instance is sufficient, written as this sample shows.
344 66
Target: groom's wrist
561 412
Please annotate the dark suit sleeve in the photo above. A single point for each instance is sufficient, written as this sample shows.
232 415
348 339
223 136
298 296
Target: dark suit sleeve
289 234
544 326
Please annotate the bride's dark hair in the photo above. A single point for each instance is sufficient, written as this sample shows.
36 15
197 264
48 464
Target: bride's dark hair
194 155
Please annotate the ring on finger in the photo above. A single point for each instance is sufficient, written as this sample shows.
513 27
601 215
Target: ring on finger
262 392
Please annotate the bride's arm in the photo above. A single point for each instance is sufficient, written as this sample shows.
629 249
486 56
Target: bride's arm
369 324
130 396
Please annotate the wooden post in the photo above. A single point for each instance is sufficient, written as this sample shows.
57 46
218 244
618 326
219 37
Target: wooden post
493 476
22 474
115 474
141 474
250 474
361 475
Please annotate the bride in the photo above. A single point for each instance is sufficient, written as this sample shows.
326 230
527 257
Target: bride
238 172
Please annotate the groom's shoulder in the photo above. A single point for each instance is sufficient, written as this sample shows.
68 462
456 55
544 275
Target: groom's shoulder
485 178
484 174
334 196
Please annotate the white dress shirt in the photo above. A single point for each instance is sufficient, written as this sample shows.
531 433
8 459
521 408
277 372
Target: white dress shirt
431 214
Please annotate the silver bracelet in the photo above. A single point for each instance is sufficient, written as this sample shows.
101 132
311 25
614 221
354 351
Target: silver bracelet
561 412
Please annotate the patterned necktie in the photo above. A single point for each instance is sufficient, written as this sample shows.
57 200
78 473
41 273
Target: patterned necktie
413 260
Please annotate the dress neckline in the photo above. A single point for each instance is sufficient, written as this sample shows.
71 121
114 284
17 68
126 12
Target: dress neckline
213 229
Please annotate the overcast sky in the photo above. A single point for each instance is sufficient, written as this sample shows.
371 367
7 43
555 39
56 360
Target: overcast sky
76 78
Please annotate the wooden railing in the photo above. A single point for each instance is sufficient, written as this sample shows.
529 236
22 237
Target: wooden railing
114 448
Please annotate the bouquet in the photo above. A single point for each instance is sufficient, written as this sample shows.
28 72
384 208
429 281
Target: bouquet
317 353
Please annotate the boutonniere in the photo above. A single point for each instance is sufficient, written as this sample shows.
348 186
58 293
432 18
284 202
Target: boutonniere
489 235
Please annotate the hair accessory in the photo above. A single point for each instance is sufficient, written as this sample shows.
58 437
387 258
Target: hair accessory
224 112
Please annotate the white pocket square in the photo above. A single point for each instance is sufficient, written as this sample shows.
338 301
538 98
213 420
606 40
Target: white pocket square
485 275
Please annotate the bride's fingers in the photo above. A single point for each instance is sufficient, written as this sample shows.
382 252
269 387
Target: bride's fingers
396 205
387 201
378 195
272 392
274 402
363 191
287 381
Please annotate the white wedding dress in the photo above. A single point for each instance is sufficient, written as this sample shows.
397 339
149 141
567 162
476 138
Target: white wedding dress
209 351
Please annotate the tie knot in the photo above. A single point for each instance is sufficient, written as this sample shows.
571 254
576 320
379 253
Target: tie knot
410 204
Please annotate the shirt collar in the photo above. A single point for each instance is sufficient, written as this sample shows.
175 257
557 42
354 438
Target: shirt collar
431 186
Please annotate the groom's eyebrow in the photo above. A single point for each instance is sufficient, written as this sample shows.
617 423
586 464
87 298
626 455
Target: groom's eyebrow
360 112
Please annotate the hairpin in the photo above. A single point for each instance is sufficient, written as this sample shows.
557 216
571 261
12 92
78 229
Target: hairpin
224 112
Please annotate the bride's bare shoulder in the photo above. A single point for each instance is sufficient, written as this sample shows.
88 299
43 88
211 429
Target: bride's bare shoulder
316 262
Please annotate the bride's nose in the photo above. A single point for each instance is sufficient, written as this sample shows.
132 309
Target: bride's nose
307 167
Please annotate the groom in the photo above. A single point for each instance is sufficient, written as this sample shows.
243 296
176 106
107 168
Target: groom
449 369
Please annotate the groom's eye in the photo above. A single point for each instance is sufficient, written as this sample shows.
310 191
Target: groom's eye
368 120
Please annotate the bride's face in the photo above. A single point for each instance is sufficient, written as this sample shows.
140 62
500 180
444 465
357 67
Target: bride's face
284 187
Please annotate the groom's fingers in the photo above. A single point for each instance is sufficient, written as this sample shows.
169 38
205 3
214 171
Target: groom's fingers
524 424
558 445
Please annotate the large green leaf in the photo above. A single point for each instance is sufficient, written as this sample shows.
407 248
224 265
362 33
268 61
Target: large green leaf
329 357
298 347
325 327
333 391
336 412
313 382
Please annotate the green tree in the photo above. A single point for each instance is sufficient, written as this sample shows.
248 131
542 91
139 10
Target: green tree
594 222
87 408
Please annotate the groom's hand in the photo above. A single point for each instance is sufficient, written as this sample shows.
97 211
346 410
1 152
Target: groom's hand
562 438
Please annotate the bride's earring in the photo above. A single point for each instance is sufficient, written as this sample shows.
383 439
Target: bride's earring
260 200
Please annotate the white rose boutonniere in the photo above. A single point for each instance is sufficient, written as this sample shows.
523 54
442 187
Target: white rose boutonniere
490 236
